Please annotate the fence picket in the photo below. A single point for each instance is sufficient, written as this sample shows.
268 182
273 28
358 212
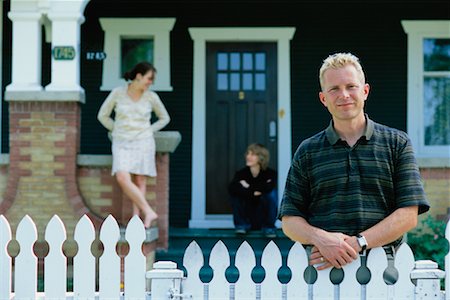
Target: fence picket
193 261
55 276
323 288
55 271
347 287
109 262
219 260
5 259
84 261
245 261
377 263
297 261
25 276
135 266
404 263
271 287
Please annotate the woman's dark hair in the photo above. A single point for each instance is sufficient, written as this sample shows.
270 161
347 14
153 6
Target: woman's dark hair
140 68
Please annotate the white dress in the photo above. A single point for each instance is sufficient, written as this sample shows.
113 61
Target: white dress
133 143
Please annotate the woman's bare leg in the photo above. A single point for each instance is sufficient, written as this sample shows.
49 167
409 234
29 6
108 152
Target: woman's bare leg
141 183
134 193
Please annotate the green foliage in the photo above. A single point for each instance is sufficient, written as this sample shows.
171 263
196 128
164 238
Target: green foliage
428 241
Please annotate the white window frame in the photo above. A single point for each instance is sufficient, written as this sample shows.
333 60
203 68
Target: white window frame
156 28
417 31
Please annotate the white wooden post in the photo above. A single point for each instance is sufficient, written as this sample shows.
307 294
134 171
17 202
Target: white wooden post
26 46
135 265
5 259
66 17
25 273
428 280
84 260
166 280
55 271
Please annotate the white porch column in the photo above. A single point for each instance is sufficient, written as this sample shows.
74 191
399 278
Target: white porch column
26 49
66 18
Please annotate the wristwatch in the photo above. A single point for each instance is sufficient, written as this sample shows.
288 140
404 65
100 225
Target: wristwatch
362 242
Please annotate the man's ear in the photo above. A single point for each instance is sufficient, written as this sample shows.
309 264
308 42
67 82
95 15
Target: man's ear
322 99
366 90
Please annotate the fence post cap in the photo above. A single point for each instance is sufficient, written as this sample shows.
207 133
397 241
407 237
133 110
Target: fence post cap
164 265
426 269
425 264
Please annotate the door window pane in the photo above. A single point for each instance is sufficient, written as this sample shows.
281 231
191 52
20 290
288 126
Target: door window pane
437 111
247 61
260 61
260 82
222 61
134 51
235 83
247 81
235 61
222 81
436 54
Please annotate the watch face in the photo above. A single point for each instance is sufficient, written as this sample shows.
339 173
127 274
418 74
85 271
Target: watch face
362 242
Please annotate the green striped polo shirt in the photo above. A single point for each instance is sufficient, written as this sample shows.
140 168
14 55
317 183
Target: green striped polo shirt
348 189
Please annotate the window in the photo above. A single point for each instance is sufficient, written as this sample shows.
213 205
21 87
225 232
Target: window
130 40
429 89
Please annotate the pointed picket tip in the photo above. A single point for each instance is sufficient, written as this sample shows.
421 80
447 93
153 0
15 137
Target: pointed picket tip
55 231
135 232
271 254
219 256
110 229
5 229
245 255
193 249
26 230
84 229
193 257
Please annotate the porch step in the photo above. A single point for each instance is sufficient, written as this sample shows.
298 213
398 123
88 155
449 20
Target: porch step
180 238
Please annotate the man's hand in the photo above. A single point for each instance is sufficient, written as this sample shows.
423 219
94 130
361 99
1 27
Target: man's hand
332 250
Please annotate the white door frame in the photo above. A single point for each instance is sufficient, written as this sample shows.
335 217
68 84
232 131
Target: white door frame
280 35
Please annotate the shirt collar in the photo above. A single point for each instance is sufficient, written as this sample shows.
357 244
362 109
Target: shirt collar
333 136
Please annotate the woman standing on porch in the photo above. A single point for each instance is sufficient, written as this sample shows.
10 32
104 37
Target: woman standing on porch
133 143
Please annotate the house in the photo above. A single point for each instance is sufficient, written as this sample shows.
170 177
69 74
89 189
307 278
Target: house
229 73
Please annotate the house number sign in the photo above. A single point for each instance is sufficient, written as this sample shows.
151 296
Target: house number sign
63 53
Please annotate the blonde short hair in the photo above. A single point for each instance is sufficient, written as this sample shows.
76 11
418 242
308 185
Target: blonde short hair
340 60
262 153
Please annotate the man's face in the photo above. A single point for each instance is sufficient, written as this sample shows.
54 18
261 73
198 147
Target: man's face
344 93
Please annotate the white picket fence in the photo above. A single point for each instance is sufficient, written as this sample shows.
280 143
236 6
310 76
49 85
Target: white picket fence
19 280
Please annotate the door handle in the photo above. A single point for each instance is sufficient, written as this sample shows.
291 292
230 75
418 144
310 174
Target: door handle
272 130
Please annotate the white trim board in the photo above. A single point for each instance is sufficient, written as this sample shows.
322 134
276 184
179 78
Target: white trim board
280 35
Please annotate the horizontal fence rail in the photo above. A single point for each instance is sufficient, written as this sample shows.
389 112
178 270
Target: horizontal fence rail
103 279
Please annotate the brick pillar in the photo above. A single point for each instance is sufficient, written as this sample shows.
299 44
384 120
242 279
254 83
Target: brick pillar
44 142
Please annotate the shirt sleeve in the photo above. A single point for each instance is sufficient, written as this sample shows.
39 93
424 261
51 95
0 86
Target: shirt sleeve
236 189
160 111
104 113
296 195
408 183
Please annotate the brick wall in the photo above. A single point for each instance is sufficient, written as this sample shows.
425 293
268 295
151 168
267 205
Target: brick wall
44 140
437 188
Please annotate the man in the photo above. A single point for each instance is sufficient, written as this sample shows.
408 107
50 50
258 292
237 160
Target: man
356 184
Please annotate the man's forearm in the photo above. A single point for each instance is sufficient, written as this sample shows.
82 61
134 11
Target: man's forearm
392 227
299 230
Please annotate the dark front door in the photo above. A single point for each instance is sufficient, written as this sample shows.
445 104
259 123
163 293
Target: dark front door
241 108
